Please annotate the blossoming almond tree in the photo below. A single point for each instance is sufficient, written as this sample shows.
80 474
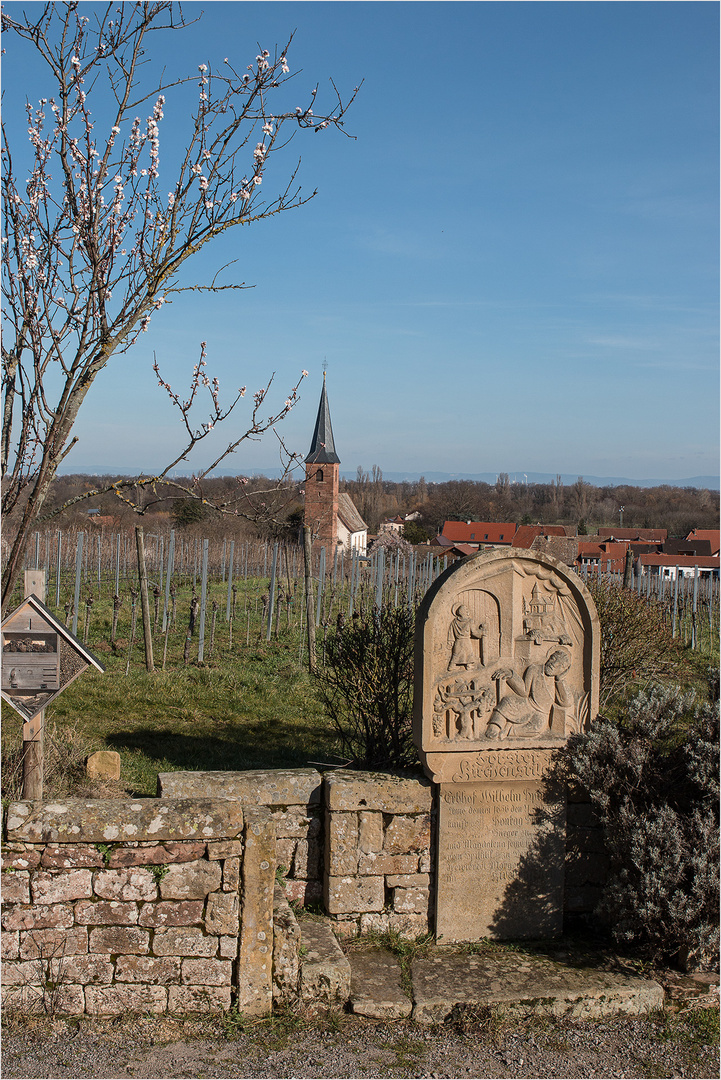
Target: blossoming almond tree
94 243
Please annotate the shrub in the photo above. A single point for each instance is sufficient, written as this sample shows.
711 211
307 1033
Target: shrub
367 687
653 780
636 646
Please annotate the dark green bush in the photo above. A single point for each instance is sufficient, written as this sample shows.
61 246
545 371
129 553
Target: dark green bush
367 688
653 780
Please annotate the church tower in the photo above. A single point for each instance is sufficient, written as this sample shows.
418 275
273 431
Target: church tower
321 480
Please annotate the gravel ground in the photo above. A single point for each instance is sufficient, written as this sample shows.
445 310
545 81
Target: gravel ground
474 1045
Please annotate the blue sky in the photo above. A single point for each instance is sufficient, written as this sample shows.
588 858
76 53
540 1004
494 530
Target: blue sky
514 266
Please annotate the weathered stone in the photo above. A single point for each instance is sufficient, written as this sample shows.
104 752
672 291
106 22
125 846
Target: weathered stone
38 916
296 822
408 881
222 915
349 790
105 764
46 943
84 970
15 887
119 939
106 913
224 849
410 901
191 881
525 987
341 843
255 961
228 947
22 973
9 944
20 860
130 998
346 927
132 883
307 859
353 894
198 999
184 941
407 834
305 892
171 913
108 820
68 856
387 864
60 1001
231 874
55 888
284 852
286 950
375 985
255 787
148 969
205 972
424 862
325 971
158 855
406 926
370 831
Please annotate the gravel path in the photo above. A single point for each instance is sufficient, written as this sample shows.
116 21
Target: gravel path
342 1046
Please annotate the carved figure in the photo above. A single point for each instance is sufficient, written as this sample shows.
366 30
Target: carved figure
527 707
467 701
460 636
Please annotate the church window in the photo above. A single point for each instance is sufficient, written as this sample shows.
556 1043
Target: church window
319 476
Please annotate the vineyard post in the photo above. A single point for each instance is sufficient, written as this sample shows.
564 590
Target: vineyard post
310 622
203 597
144 602
78 572
33 730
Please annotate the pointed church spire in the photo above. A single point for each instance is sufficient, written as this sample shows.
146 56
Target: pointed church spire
322 447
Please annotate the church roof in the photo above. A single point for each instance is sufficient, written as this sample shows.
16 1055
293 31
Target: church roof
322 447
348 513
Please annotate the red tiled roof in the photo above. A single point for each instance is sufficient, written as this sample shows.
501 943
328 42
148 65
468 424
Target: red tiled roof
649 535
704 562
712 535
526 534
479 532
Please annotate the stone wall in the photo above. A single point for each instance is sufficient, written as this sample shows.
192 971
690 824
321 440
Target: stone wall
138 904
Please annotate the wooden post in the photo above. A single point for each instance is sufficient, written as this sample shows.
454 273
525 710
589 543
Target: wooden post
310 621
144 602
203 599
33 729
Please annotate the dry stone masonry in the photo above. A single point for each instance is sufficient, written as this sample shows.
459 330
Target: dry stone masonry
507 663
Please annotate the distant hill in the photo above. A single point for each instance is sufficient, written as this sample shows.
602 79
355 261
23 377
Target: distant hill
711 482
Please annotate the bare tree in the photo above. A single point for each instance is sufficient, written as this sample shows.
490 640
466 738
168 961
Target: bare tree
95 244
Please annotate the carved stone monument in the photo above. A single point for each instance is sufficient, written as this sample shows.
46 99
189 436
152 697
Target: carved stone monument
507 662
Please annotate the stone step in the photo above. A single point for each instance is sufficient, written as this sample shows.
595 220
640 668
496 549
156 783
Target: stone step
375 985
324 970
517 984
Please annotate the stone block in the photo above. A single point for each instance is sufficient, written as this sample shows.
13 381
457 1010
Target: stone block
148 969
228 947
406 926
325 971
370 831
222 915
286 950
116 940
344 895
224 849
50 887
104 764
157 855
15 887
171 913
184 941
231 874
351 790
387 864
116 820
424 862
205 972
61 1001
408 881
47 943
375 986
38 916
9 944
255 958
305 892
346 927
585 840
131 998
132 883
405 834
71 856
191 881
254 787
106 913
296 822
21 860
90 969
198 999
307 860
284 852
410 901
341 843
587 869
